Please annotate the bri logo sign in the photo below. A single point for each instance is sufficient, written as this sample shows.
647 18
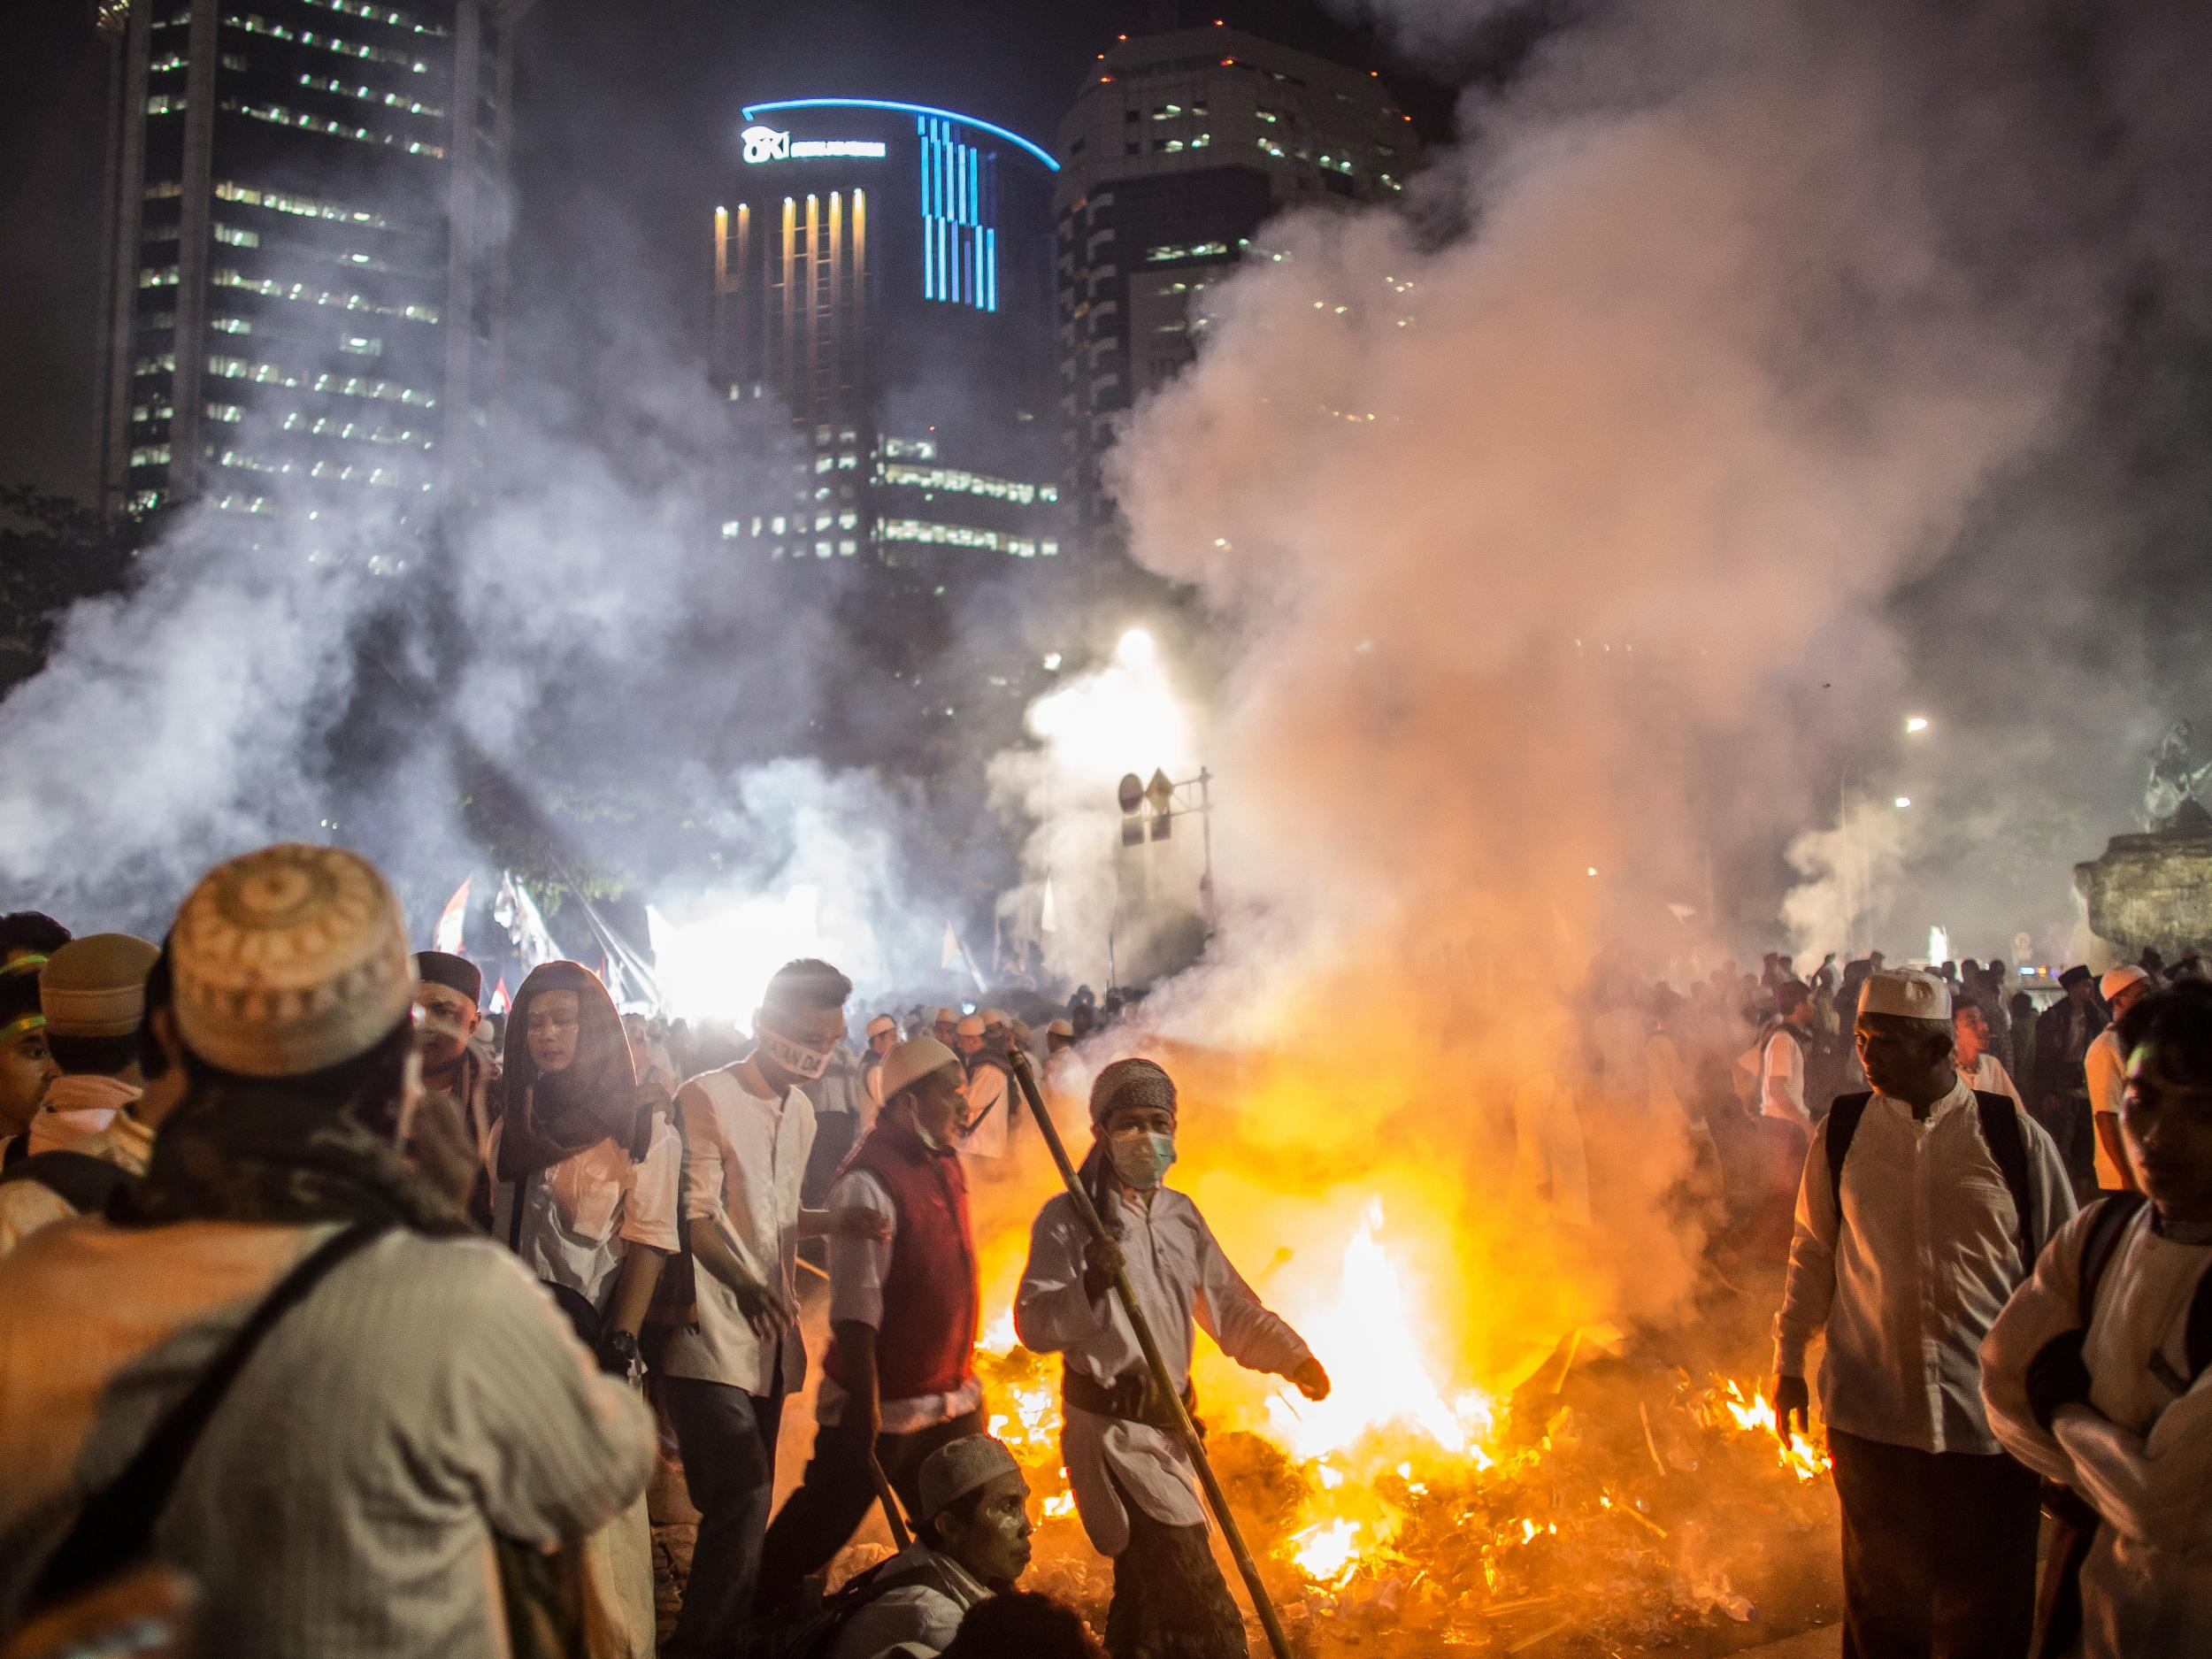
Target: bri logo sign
765 144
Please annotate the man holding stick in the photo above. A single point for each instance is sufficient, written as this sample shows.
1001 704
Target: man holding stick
1134 1485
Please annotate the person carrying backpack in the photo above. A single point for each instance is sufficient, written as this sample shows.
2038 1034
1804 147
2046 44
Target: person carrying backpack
2095 1373
1921 1207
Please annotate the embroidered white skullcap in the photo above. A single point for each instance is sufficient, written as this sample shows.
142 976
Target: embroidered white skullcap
1907 993
944 1017
289 960
957 1468
971 1027
880 1024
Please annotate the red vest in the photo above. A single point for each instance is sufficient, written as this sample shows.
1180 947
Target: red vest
931 1295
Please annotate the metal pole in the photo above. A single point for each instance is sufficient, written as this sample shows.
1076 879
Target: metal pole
1206 823
1216 1499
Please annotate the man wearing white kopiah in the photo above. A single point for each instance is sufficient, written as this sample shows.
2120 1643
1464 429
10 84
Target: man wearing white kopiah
2095 1374
1134 1487
1923 1206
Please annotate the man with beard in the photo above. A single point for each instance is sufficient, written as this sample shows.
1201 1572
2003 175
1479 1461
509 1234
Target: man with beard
597 1164
748 1130
409 1398
2093 1373
1134 1487
455 1066
1923 1207
899 1381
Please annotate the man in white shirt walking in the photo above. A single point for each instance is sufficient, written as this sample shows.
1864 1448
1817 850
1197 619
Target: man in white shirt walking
1782 1063
1921 1206
2095 1374
747 1131
2103 1068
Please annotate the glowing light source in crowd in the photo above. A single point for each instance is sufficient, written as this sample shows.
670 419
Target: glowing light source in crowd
715 965
1125 717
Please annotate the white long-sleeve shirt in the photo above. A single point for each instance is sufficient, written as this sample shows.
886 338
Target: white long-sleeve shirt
341 1501
1179 1275
1909 1282
745 1157
2105 1069
988 1101
1990 1077
857 1268
2141 1455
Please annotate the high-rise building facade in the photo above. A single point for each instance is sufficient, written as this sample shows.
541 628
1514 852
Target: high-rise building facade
302 305
881 272
1178 148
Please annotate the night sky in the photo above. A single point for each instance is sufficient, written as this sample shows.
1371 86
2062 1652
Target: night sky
628 118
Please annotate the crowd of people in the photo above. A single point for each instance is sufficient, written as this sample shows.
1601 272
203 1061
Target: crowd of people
296 1243
294 1240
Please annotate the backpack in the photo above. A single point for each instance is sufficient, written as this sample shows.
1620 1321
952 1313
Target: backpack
808 1628
2100 1242
85 1183
2007 1143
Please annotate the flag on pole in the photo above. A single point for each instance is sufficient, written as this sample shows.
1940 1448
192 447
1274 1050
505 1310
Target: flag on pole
446 935
500 1000
951 955
1047 918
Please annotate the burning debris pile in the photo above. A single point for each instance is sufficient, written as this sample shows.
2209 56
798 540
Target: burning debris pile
1612 1499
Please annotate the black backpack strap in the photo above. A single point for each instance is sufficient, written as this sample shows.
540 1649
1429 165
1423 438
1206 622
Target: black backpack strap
1843 1125
79 1180
116 1523
2007 1143
2109 1219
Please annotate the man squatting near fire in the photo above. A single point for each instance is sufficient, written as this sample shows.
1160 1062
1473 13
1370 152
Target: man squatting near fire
1134 1484
2095 1374
1923 1207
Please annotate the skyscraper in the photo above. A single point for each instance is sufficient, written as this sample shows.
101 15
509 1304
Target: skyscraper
302 305
881 273
1178 148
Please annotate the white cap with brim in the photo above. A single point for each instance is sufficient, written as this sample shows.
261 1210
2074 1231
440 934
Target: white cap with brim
1907 992
959 1467
290 960
912 1061
2115 981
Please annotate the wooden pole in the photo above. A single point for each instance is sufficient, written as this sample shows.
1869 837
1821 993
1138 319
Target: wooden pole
1216 1499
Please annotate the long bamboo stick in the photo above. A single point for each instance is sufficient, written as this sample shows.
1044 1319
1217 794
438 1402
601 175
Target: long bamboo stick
1216 1499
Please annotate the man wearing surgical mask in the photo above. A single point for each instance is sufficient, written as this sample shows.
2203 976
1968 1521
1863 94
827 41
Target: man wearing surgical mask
1134 1487
747 1131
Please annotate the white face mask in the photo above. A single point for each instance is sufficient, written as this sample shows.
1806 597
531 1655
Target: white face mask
1142 1158
803 1062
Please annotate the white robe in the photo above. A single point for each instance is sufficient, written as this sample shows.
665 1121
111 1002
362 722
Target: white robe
2141 1455
1179 1275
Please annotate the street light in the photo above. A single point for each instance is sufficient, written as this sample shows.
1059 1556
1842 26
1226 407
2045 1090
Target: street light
1903 800
1916 722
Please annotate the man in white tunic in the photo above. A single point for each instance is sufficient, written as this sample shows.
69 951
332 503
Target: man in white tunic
2102 1066
2095 1374
1976 1059
1134 1487
1910 1234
